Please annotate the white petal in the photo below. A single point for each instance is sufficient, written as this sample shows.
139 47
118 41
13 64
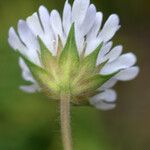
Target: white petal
104 100
92 41
91 46
79 40
109 84
57 25
45 18
88 20
49 36
27 36
67 17
79 10
96 27
124 61
110 28
34 24
15 42
127 74
112 55
108 95
105 106
105 49
30 41
26 74
29 88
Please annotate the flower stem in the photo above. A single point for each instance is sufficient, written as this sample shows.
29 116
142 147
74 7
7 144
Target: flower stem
65 120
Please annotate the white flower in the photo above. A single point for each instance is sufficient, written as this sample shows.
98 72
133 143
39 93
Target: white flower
51 28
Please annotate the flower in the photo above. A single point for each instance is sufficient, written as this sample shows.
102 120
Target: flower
73 53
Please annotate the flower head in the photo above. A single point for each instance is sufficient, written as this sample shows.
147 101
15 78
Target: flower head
72 53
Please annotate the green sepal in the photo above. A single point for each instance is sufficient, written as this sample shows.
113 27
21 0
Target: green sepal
89 62
92 83
69 57
49 61
60 46
42 76
83 98
88 66
46 56
80 101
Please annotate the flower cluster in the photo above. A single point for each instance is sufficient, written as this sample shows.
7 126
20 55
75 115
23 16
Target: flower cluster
72 53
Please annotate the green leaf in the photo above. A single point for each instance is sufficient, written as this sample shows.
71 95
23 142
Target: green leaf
69 57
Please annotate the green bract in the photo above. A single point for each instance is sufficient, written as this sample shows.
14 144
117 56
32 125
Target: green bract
68 71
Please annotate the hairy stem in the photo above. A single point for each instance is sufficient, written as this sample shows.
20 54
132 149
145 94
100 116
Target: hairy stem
65 120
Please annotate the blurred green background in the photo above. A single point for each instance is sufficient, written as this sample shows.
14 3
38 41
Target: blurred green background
31 121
